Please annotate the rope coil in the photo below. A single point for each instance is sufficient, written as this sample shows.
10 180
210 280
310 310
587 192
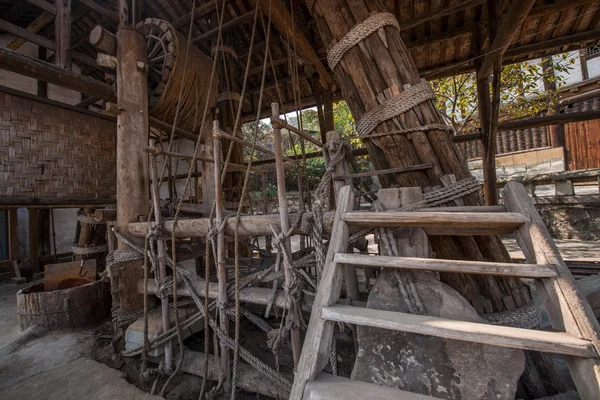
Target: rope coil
359 33
406 100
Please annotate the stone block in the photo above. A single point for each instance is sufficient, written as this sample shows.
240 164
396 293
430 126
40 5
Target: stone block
564 188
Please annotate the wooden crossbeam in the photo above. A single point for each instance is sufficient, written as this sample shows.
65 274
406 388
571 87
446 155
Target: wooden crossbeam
44 71
113 16
231 24
44 19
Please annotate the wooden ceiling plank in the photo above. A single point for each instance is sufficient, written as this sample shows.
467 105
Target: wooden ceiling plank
110 14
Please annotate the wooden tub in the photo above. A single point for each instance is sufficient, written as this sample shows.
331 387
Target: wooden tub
75 307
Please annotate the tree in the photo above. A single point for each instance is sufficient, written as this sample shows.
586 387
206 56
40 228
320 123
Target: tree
522 92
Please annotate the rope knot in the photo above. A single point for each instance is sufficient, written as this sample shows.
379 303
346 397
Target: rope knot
277 123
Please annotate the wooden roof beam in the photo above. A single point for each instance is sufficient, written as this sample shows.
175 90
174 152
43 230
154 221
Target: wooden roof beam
510 24
282 19
110 14
34 68
44 5
231 24
198 12
44 19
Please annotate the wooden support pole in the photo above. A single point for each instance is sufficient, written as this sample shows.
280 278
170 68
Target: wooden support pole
85 234
221 256
62 32
328 111
13 234
285 223
161 272
318 91
34 252
557 132
132 161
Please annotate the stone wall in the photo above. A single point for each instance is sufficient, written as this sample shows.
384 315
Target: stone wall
52 152
571 217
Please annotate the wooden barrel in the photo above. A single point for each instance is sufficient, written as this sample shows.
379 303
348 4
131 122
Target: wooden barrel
75 307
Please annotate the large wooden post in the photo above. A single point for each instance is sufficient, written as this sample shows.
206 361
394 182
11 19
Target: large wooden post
132 162
388 68
557 132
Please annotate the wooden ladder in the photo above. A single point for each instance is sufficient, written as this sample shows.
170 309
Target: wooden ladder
568 311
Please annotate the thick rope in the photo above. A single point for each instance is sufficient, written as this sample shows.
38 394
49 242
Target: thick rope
359 33
411 97
81 251
424 128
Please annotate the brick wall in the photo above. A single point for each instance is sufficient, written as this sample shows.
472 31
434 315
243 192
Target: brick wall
47 151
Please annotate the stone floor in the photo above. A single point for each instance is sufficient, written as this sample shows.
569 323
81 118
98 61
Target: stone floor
56 366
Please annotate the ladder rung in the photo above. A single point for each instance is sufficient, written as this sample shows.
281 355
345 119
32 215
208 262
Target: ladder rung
441 223
329 387
526 339
432 264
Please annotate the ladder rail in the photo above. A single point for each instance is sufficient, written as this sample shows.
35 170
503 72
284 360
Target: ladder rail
567 309
317 342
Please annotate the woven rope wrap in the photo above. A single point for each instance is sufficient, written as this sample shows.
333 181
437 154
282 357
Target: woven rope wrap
423 128
359 33
410 98
87 219
225 49
224 96
89 250
527 317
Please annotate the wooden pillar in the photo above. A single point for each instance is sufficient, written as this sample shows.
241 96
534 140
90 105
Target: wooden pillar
62 33
328 111
585 74
34 252
132 162
285 223
221 257
484 105
557 132
318 91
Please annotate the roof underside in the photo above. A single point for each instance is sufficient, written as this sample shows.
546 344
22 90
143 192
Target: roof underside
438 33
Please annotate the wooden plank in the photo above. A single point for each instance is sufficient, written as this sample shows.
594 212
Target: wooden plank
488 209
468 267
317 342
566 307
330 387
419 167
34 68
26 34
495 335
437 221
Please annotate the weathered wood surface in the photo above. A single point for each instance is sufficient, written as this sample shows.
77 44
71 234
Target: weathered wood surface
67 275
317 342
365 74
496 335
567 309
132 163
432 264
80 306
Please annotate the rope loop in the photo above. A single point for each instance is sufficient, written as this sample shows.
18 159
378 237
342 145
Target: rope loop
411 97
359 33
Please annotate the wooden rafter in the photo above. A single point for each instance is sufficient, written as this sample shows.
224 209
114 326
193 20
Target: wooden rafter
44 5
101 10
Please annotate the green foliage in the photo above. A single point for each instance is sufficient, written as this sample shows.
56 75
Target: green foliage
522 92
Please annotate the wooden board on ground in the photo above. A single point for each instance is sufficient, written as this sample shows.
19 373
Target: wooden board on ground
68 275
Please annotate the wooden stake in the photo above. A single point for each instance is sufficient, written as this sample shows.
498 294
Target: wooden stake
285 223
160 259
221 266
